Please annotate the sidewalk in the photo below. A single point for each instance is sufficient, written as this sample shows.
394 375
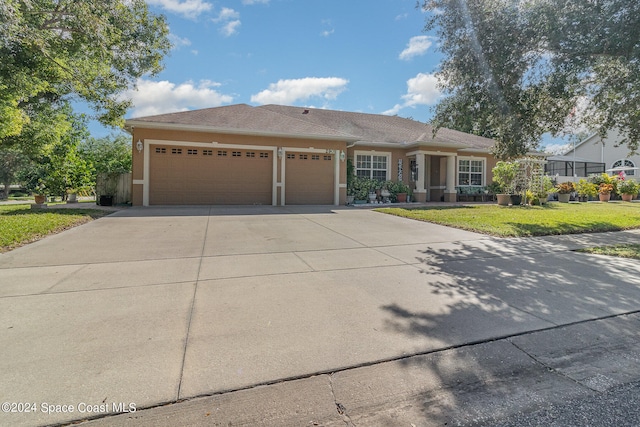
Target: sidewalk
491 383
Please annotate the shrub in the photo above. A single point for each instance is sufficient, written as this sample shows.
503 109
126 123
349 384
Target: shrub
504 173
586 188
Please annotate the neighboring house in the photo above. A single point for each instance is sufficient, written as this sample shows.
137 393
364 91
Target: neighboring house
571 168
601 150
279 155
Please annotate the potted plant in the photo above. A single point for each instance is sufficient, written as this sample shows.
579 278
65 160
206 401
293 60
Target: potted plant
504 173
628 189
401 192
360 189
33 179
603 178
547 187
604 192
564 190
586 189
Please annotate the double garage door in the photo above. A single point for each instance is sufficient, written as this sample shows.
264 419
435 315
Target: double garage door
183 175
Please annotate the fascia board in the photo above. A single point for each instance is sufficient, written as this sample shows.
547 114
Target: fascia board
129 124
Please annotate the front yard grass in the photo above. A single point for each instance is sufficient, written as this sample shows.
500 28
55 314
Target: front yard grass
624 250
522 221
20 225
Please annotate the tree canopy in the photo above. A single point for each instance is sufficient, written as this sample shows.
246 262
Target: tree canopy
53 50
516 69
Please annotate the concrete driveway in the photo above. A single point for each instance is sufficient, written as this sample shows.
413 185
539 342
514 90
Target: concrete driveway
155 305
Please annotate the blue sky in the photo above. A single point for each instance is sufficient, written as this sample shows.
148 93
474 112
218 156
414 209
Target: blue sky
371 57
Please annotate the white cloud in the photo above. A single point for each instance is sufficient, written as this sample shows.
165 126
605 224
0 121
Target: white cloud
417 46
161 97
557 149
178 41
187 8
330 30
230 28
230 20
291 91
421 90
227 14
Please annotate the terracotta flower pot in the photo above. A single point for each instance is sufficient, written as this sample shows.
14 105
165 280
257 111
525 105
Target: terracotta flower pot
627 197
503 199
604 197
40 199
402 197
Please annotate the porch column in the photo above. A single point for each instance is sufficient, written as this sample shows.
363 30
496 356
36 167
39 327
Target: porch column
421 191
450 189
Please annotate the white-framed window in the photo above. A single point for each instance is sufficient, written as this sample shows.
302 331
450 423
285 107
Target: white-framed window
373 165
625 163
471 171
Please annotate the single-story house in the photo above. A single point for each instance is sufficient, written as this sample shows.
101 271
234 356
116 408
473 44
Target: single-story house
604 150
280 155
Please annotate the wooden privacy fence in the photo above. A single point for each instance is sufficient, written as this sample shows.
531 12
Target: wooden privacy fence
118 186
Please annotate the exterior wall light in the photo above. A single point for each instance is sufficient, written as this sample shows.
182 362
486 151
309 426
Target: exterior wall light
280 151
342 156
139 146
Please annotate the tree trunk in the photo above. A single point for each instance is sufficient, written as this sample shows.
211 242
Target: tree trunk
5 193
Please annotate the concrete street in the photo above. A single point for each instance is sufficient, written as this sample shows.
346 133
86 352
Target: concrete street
308 316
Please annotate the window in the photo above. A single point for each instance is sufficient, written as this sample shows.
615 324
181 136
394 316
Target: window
303 157
470 172
250 154
264 155
222 153
372 166
207 152
236 154
624 163
161 150
327 157
315 157
176 151
291 156
192 152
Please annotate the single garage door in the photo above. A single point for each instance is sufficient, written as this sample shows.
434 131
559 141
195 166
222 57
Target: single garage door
209 176
309 179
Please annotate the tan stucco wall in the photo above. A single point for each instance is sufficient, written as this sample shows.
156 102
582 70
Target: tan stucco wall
143 134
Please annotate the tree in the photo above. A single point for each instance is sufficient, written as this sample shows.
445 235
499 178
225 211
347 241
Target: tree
11 161
108 155
93 50
516 69
51 142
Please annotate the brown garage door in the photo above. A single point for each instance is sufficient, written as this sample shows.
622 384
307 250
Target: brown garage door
209 176
309 179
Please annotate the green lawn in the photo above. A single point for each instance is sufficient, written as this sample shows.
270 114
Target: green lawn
20 225
625 251
517 221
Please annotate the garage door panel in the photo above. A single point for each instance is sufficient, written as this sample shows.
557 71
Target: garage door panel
197 176
309 179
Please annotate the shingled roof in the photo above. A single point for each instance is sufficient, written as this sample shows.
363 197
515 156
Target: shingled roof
286 121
